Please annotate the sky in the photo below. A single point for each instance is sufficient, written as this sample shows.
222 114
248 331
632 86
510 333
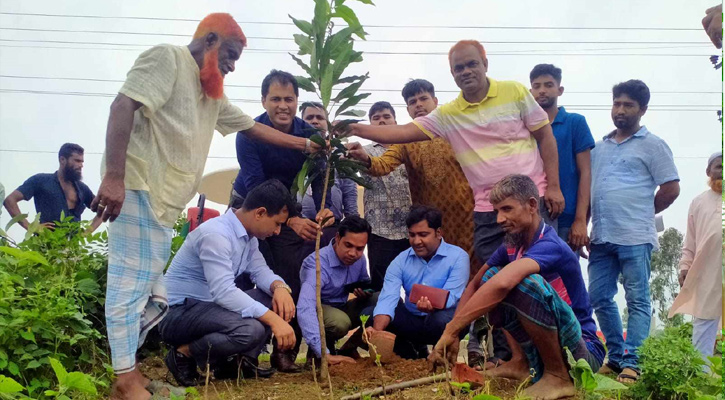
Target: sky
59 74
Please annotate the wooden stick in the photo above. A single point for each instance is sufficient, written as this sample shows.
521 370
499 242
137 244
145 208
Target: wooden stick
398 386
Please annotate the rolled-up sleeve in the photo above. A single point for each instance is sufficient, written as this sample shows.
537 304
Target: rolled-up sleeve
307 305
215 254
390 295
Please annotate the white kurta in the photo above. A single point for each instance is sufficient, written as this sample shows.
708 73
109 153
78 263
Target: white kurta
701 295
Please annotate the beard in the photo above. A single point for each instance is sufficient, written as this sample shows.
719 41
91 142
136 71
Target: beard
715 184
71 175
546 103
212 80
515 240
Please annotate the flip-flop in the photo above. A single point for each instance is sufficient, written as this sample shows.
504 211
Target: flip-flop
611 369
632 377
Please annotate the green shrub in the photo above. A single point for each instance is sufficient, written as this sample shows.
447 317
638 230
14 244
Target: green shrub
52 290
668 361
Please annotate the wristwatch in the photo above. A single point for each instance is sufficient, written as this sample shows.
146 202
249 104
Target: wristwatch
283 286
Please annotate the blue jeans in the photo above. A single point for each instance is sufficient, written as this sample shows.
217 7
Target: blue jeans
606 262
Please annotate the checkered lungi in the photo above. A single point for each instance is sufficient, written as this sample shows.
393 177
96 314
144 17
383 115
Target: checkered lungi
537 301
138 250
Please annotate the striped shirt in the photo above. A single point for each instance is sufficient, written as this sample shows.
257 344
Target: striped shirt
491 138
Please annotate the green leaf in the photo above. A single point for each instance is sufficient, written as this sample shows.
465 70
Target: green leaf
605 383
59 370
350 90
305 83
28 335
13 368
88 286
303 25
326 86
354 113
9 385
302 65
15 220
350 79
322 17
484 396
33 364
317 138
334 43
347 14
29 255
305 44
298 186
81 382
351 102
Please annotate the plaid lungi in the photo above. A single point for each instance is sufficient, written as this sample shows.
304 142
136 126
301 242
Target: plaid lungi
535 299
138 250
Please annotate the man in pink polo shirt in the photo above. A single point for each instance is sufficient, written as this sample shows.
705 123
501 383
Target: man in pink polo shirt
495 128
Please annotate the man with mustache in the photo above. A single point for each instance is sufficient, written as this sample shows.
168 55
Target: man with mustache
158 136
260 162
342 263
574 142
533 288
701 263
628 166
429 261
56 193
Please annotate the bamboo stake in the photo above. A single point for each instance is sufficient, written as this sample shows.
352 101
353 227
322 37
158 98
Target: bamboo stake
324 370
399 386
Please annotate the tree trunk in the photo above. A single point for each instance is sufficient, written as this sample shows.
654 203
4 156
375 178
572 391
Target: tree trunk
324 371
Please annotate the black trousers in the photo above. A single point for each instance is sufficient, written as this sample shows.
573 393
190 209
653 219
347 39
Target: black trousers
214 333
381 252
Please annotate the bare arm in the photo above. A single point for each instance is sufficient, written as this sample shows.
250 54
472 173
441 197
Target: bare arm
11 204
472 287
381 321
111 193
266 134
666 195
550 155
578 233
389 134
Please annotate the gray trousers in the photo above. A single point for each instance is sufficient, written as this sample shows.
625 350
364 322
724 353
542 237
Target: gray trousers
214 333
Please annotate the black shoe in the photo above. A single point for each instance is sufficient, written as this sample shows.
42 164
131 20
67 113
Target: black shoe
183 368
241 366
282 361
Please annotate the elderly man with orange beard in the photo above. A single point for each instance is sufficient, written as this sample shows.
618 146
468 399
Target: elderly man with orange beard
157 141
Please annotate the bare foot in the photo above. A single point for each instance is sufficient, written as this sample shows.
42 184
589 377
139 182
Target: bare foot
516 368
550 387
145 382
489 365
128 387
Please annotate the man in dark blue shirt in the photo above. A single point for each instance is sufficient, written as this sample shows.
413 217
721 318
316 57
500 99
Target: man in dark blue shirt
260 162
533 288
56 193
574 141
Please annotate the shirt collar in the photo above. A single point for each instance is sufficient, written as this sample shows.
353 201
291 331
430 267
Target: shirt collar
462 103
642 132
332 260
239 230
560 116
443 251
75 184
300 128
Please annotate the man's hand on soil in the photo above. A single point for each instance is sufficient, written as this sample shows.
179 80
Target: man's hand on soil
282 304
448 344
334 360
424 305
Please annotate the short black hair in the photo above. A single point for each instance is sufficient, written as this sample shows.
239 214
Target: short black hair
416 86
380 106
281 77
308 104
546 69
633 88
418 213
354 224
67 150
273 196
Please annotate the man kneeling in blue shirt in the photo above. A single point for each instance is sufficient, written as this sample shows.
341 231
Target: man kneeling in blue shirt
341 264
210 319
430 261
533 288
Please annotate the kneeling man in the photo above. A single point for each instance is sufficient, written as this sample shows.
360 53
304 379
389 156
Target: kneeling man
533 288
431 262
342 266
210 319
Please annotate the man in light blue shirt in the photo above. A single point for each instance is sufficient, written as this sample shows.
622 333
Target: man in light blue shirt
627 167
210 318
430 261
341 264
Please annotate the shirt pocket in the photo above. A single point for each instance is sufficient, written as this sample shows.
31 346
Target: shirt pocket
505 122
177 189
